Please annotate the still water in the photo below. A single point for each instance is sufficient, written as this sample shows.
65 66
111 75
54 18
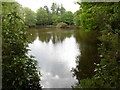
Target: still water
64 56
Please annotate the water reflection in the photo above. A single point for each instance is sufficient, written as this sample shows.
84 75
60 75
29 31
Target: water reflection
56 52
60 51
46 34
89 54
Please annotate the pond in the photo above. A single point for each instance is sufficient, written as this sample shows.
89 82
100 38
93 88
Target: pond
65 56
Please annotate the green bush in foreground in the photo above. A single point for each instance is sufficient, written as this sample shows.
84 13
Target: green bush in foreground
103 17
19 70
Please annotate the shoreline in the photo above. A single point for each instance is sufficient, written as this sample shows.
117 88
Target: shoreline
53 26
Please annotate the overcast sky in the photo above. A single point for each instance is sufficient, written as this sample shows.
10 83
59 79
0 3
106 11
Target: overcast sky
69 5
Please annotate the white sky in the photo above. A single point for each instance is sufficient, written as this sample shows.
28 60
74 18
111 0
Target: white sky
69 5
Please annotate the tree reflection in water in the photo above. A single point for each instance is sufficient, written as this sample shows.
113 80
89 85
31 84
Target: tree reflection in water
89 54
46 34
56 51
87 42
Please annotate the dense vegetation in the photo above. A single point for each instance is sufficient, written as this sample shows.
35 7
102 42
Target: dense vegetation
103 17
19 70
48 16
30 17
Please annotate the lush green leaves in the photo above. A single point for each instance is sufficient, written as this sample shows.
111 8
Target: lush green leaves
30 17
19 70
42 16
56 15
76 17
103 17
67 17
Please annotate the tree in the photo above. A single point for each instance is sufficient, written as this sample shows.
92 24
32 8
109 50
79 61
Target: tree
56 19
30 17
42 16
62 10
54 8
57 12
76 18
49 15
67 17
47 9
19 71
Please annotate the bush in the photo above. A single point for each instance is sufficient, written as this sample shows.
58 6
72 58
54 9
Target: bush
62 25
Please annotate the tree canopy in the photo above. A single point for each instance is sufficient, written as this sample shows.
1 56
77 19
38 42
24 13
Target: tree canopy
56 14
42 16
29 17
67 17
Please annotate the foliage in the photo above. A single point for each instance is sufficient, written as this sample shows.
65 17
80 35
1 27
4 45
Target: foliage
56 19
57 9
103 17
30 17
56 15
76 17
49 16
57 12
67 17
87 16
54 8
42 16
62 10
19 70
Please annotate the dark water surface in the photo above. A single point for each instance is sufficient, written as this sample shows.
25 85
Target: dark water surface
64 56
